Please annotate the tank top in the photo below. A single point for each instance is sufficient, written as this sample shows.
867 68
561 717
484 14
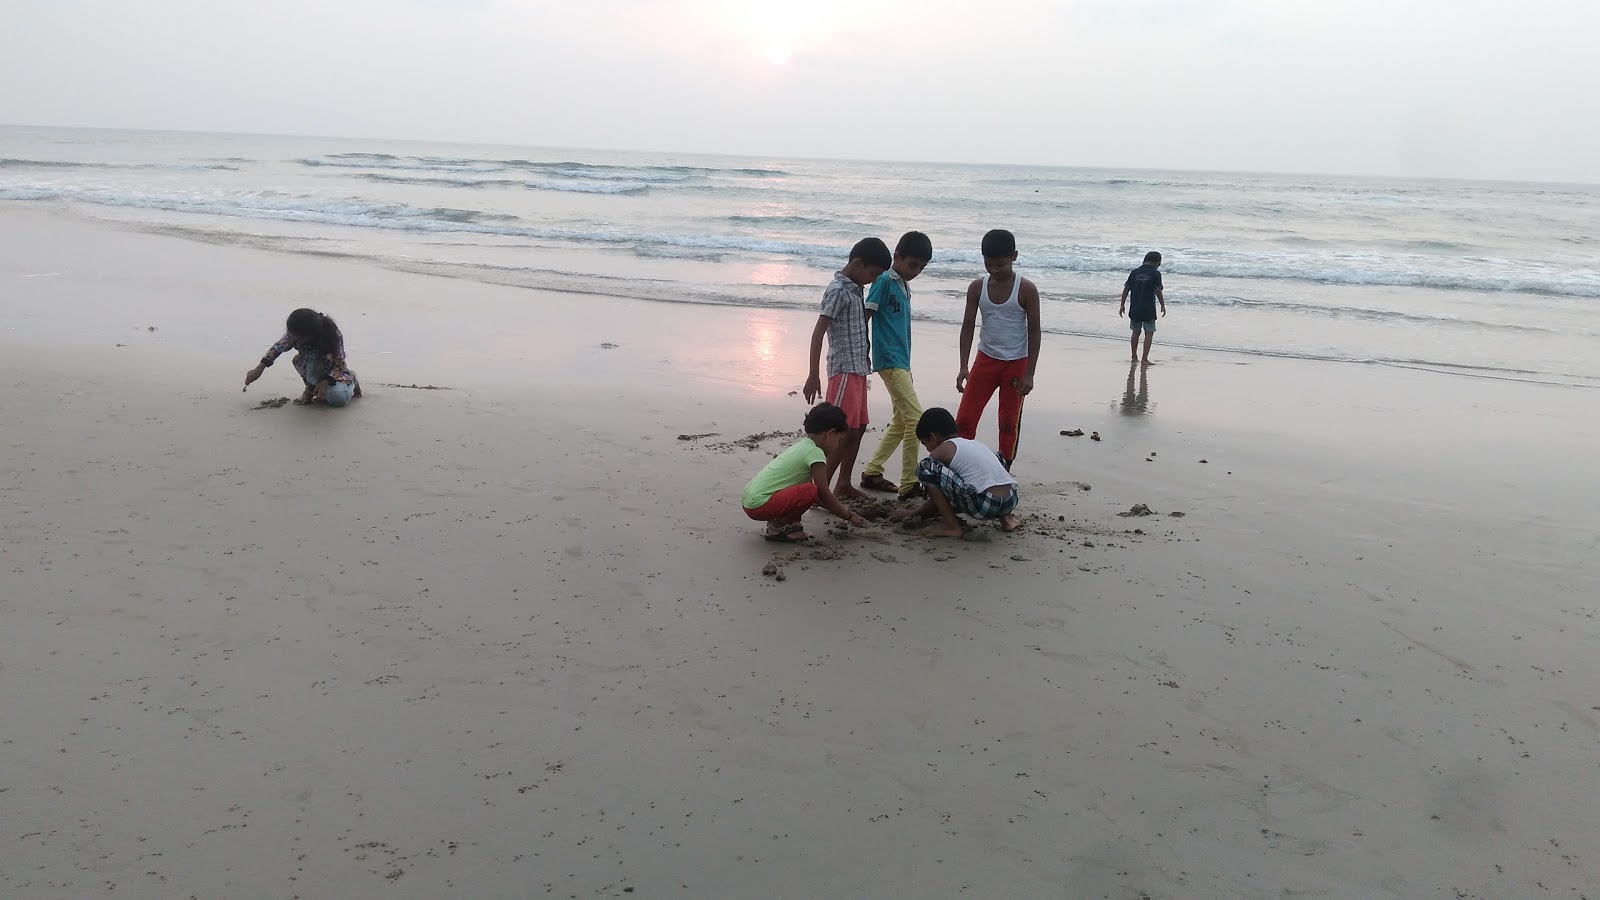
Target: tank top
978 466
1004 331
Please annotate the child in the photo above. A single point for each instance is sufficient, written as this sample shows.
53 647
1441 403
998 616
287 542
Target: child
319 358
844 321
960 476
1145 285
1008 346
889 313
782 492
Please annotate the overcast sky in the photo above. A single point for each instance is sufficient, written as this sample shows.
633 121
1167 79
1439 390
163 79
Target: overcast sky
1466 88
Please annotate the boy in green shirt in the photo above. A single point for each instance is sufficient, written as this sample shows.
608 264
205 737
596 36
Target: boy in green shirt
889 312
798 479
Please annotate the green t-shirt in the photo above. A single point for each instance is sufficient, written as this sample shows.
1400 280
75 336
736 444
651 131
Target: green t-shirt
792 467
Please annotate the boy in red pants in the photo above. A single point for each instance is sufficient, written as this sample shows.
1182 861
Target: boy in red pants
791 484
1008 344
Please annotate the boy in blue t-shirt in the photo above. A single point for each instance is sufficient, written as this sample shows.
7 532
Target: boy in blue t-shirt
1144 283
889 312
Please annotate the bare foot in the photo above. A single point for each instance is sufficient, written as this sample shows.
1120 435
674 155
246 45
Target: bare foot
1009 523
303 399
943 530
849 493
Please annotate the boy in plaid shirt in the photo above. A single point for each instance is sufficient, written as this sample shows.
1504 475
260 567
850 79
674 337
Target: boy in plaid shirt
961 476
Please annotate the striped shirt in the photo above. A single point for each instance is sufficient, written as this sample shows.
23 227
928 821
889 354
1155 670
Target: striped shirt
848 346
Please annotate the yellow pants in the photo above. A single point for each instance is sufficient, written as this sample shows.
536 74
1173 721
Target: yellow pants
902 430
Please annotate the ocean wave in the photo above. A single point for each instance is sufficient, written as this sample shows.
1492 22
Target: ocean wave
395 216
575 187
70 164
789 221
558 168
667 251
1341 267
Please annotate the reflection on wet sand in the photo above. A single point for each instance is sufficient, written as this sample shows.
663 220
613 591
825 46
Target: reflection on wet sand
1136 399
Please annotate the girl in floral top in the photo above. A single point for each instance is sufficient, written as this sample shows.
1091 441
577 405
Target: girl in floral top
319 358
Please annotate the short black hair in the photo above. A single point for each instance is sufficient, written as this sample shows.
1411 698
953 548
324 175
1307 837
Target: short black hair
999 242
1152 258
915 245
936 422
825 417
873 252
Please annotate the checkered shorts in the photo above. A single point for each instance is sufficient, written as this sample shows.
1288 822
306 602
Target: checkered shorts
963 497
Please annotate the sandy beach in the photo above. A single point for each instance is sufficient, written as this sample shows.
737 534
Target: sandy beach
499 628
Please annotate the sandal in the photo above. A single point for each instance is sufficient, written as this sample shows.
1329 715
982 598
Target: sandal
878 483
788 534
916 492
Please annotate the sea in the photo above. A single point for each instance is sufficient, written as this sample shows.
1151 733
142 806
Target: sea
1462 278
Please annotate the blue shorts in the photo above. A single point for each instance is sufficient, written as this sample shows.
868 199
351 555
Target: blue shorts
1149 327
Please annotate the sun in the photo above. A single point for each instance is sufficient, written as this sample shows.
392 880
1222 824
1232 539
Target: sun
779 54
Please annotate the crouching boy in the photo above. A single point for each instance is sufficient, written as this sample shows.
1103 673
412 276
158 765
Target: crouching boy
961 476
798 478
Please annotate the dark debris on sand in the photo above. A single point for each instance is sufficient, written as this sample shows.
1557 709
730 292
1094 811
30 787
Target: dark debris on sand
274 403
753 441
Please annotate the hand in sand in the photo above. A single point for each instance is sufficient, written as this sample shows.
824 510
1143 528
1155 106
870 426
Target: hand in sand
857 520
812 389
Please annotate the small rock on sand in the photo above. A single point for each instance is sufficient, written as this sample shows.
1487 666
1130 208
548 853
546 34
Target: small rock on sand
1176 515
608 346
1138 509
1076 432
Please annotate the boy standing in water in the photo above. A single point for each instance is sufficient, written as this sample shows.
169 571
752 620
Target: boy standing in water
844 322
889 312
1144 283
1008 345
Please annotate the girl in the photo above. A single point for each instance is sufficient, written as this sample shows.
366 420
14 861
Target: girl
319 358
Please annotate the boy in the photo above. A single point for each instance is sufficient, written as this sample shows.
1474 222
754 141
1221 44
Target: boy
1145 285
889 314
1008 346
961 476
798 478
844 321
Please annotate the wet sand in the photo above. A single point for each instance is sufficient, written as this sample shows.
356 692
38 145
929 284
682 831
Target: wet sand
513 638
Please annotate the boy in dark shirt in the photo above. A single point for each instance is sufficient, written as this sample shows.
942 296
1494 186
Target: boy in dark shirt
1144 283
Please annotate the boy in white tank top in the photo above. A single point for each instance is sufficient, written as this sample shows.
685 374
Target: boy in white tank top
960 476
1008 344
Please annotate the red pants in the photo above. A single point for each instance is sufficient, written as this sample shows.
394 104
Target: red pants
789 503
988 375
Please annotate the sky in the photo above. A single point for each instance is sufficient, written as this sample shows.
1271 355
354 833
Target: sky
1429 88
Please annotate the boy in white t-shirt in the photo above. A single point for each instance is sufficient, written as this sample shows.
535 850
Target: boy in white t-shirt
961 476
